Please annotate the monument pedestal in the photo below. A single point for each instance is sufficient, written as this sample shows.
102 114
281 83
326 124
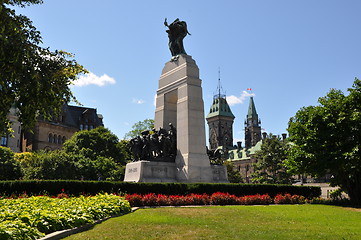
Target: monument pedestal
179 101
147 171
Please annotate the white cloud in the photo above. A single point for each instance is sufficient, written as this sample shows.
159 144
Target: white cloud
138 101
90 78
233 100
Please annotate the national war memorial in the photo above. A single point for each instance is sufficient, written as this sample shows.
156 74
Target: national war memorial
175 150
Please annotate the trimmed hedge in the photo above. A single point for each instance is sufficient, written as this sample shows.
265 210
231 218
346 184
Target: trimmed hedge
73 187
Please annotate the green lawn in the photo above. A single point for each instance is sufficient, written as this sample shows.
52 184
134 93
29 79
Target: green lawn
232 222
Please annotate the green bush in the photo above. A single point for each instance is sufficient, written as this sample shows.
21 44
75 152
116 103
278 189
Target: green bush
9 168
74 187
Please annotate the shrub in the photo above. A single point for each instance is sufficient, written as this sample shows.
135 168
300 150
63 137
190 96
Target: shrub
9 167
76 187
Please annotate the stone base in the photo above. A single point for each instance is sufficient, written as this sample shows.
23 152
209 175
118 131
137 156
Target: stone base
219 173
147 171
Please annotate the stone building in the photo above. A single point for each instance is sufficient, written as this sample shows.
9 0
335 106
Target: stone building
13 140
252 126
50 135
220 122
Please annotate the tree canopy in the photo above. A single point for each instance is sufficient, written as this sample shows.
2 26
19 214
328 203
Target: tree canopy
98 142
9 167
139 127
270 166
90 155
33 79
327 139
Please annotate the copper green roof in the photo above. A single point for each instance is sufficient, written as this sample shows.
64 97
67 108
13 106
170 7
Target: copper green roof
220 107
244 153
251 109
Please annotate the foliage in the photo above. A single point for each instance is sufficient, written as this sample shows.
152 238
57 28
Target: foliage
139 127
327 139
93 155
76 187
34 216
336 195
63 165
270 166
50 165
9 168
233 175
35 80
95 143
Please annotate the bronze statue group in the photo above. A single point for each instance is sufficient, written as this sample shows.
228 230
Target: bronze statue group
155 145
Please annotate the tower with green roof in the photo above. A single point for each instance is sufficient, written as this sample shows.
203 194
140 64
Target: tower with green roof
220 121
252 126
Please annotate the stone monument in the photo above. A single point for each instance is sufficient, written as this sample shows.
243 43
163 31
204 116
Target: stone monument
179 102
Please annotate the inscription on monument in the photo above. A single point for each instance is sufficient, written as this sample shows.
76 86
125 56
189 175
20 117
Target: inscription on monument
159 171
132 170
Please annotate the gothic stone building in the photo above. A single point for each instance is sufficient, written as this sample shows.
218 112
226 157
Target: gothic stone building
220 122
50 135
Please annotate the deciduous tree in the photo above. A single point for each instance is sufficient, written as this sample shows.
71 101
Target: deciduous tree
270 166
327 139
139 127
98 142
32 78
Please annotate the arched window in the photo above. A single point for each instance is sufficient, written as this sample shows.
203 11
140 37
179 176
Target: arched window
64 139
86 127
50 138
55 139
4 141
81 126
59 139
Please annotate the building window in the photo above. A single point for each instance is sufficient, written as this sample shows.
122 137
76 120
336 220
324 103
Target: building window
19 130
91 127
4 141
59 139
64 139
81 127
50 138
55 139
18 143
86 127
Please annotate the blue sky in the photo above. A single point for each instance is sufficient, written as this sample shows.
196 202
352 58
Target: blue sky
289 52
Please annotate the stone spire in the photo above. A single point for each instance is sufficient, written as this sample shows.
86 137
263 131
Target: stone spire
252 126
252 113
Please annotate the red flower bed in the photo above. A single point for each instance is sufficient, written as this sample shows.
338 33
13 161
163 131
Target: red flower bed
255 200
218 198
289 199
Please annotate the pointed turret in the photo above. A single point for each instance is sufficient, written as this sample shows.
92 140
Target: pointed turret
252 126
252 113
220 121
